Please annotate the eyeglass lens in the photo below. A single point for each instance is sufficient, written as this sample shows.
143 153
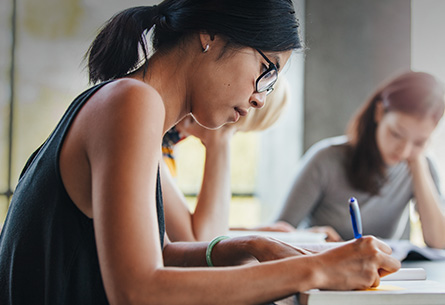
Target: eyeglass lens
267 80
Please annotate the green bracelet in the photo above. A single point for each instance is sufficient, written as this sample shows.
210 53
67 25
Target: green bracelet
210 247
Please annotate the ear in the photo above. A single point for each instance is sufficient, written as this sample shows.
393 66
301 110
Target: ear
206 40
379 112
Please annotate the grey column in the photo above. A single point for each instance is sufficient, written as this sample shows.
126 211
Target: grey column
353 45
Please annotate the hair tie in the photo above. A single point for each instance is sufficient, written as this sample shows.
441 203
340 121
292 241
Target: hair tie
155 12
159 18
155 9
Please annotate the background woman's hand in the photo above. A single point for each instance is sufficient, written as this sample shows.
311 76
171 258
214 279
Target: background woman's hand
253 248
331 234
279 226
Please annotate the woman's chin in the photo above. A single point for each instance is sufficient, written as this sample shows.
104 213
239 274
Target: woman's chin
208 125
392 161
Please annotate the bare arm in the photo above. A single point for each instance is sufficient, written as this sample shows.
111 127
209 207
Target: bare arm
355 265
211 215
178 218
428 203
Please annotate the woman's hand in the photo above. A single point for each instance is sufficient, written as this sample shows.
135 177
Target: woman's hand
417 162
211 214
253 248
189 127
356 265
268 248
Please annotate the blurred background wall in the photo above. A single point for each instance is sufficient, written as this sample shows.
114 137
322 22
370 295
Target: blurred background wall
48 39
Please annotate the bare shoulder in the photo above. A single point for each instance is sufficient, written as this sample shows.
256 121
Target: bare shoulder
127 91
129 86
124 108
127 99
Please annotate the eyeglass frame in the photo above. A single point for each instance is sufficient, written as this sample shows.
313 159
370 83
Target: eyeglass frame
271 67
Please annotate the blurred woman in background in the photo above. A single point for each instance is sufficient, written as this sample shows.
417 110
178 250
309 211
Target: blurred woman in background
381 162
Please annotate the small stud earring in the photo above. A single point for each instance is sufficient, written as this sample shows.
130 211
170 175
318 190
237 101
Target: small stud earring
206 49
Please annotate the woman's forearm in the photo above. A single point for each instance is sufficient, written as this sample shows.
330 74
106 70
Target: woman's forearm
354 265
178 219
211 216
259 283
232 285
428 204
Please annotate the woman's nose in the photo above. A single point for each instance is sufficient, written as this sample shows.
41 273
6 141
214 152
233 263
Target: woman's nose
258 100
406 150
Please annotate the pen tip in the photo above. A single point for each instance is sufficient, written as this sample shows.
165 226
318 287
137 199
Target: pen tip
352 199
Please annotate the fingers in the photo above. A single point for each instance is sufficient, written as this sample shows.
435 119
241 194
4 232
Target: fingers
388 265
376 282
284 226
305 251
187 126
331 234
383 246
269 248
371 241
381 254
279 226
359 264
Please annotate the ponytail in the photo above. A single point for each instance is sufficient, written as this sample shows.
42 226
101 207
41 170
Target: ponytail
115 51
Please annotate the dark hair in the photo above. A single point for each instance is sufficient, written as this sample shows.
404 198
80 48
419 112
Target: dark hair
414 93
269 25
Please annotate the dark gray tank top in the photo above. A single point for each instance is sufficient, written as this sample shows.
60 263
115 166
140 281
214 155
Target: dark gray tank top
47 247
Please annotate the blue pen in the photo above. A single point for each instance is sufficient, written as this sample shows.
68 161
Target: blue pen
355 217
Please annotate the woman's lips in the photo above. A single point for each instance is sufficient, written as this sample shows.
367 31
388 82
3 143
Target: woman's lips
239 112
242 112
394 159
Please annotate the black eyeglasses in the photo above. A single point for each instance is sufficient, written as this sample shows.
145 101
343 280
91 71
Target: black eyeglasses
268 78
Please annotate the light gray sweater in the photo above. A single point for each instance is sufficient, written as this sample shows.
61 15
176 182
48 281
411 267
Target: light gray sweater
320 193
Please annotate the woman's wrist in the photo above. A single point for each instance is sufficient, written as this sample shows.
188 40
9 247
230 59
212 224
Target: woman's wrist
309 273
316 275
218 141
417 163
210 247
